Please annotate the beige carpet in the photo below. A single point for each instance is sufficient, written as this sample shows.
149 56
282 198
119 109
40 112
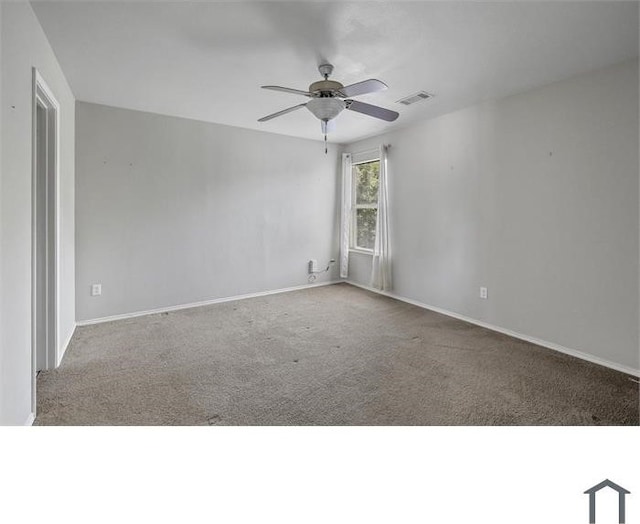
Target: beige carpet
328 355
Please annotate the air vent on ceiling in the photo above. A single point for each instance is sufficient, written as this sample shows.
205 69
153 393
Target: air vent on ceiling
412 99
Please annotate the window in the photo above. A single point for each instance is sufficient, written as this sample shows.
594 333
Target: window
364 207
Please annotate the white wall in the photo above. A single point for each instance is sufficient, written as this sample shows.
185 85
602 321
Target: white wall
534 196
172 211
24 45
2 392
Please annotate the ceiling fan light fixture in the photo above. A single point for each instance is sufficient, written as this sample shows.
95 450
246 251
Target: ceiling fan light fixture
326 108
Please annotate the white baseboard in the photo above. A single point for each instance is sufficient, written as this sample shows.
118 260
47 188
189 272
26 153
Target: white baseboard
30 420
202 303
63 349
539 342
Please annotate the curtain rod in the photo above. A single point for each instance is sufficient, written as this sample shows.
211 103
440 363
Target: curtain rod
371 150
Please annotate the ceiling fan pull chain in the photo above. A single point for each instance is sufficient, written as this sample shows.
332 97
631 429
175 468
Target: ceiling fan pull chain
325 143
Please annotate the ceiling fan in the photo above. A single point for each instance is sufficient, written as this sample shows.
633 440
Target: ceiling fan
329 98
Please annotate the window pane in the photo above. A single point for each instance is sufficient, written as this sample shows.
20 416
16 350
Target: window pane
366 222
366 180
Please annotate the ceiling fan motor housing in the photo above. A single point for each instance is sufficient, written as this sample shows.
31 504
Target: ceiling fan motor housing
325 87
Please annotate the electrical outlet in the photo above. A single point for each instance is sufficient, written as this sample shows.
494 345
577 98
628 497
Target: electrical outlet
96 290
313 266
484 292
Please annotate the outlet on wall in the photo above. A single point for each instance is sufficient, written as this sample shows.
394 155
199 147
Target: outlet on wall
313 266
484 292
96 290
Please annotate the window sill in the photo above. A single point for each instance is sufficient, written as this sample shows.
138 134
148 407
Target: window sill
361 251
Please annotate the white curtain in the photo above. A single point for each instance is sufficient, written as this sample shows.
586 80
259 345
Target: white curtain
345 225
381 267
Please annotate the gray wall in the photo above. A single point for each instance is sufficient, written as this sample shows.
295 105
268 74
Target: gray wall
172 211
24 45
534 196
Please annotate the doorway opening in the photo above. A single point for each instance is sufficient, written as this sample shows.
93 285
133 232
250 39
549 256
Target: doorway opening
44 256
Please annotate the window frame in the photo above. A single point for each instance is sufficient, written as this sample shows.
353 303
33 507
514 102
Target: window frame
353 240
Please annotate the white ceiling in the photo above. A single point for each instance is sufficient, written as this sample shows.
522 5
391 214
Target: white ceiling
207 60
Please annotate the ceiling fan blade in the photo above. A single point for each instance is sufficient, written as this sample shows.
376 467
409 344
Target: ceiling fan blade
362 88
288 90
280 113
371 110
328 127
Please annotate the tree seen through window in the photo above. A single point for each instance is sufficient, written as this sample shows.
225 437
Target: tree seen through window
365 206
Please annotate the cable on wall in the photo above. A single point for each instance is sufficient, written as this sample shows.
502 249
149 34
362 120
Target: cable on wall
313 275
